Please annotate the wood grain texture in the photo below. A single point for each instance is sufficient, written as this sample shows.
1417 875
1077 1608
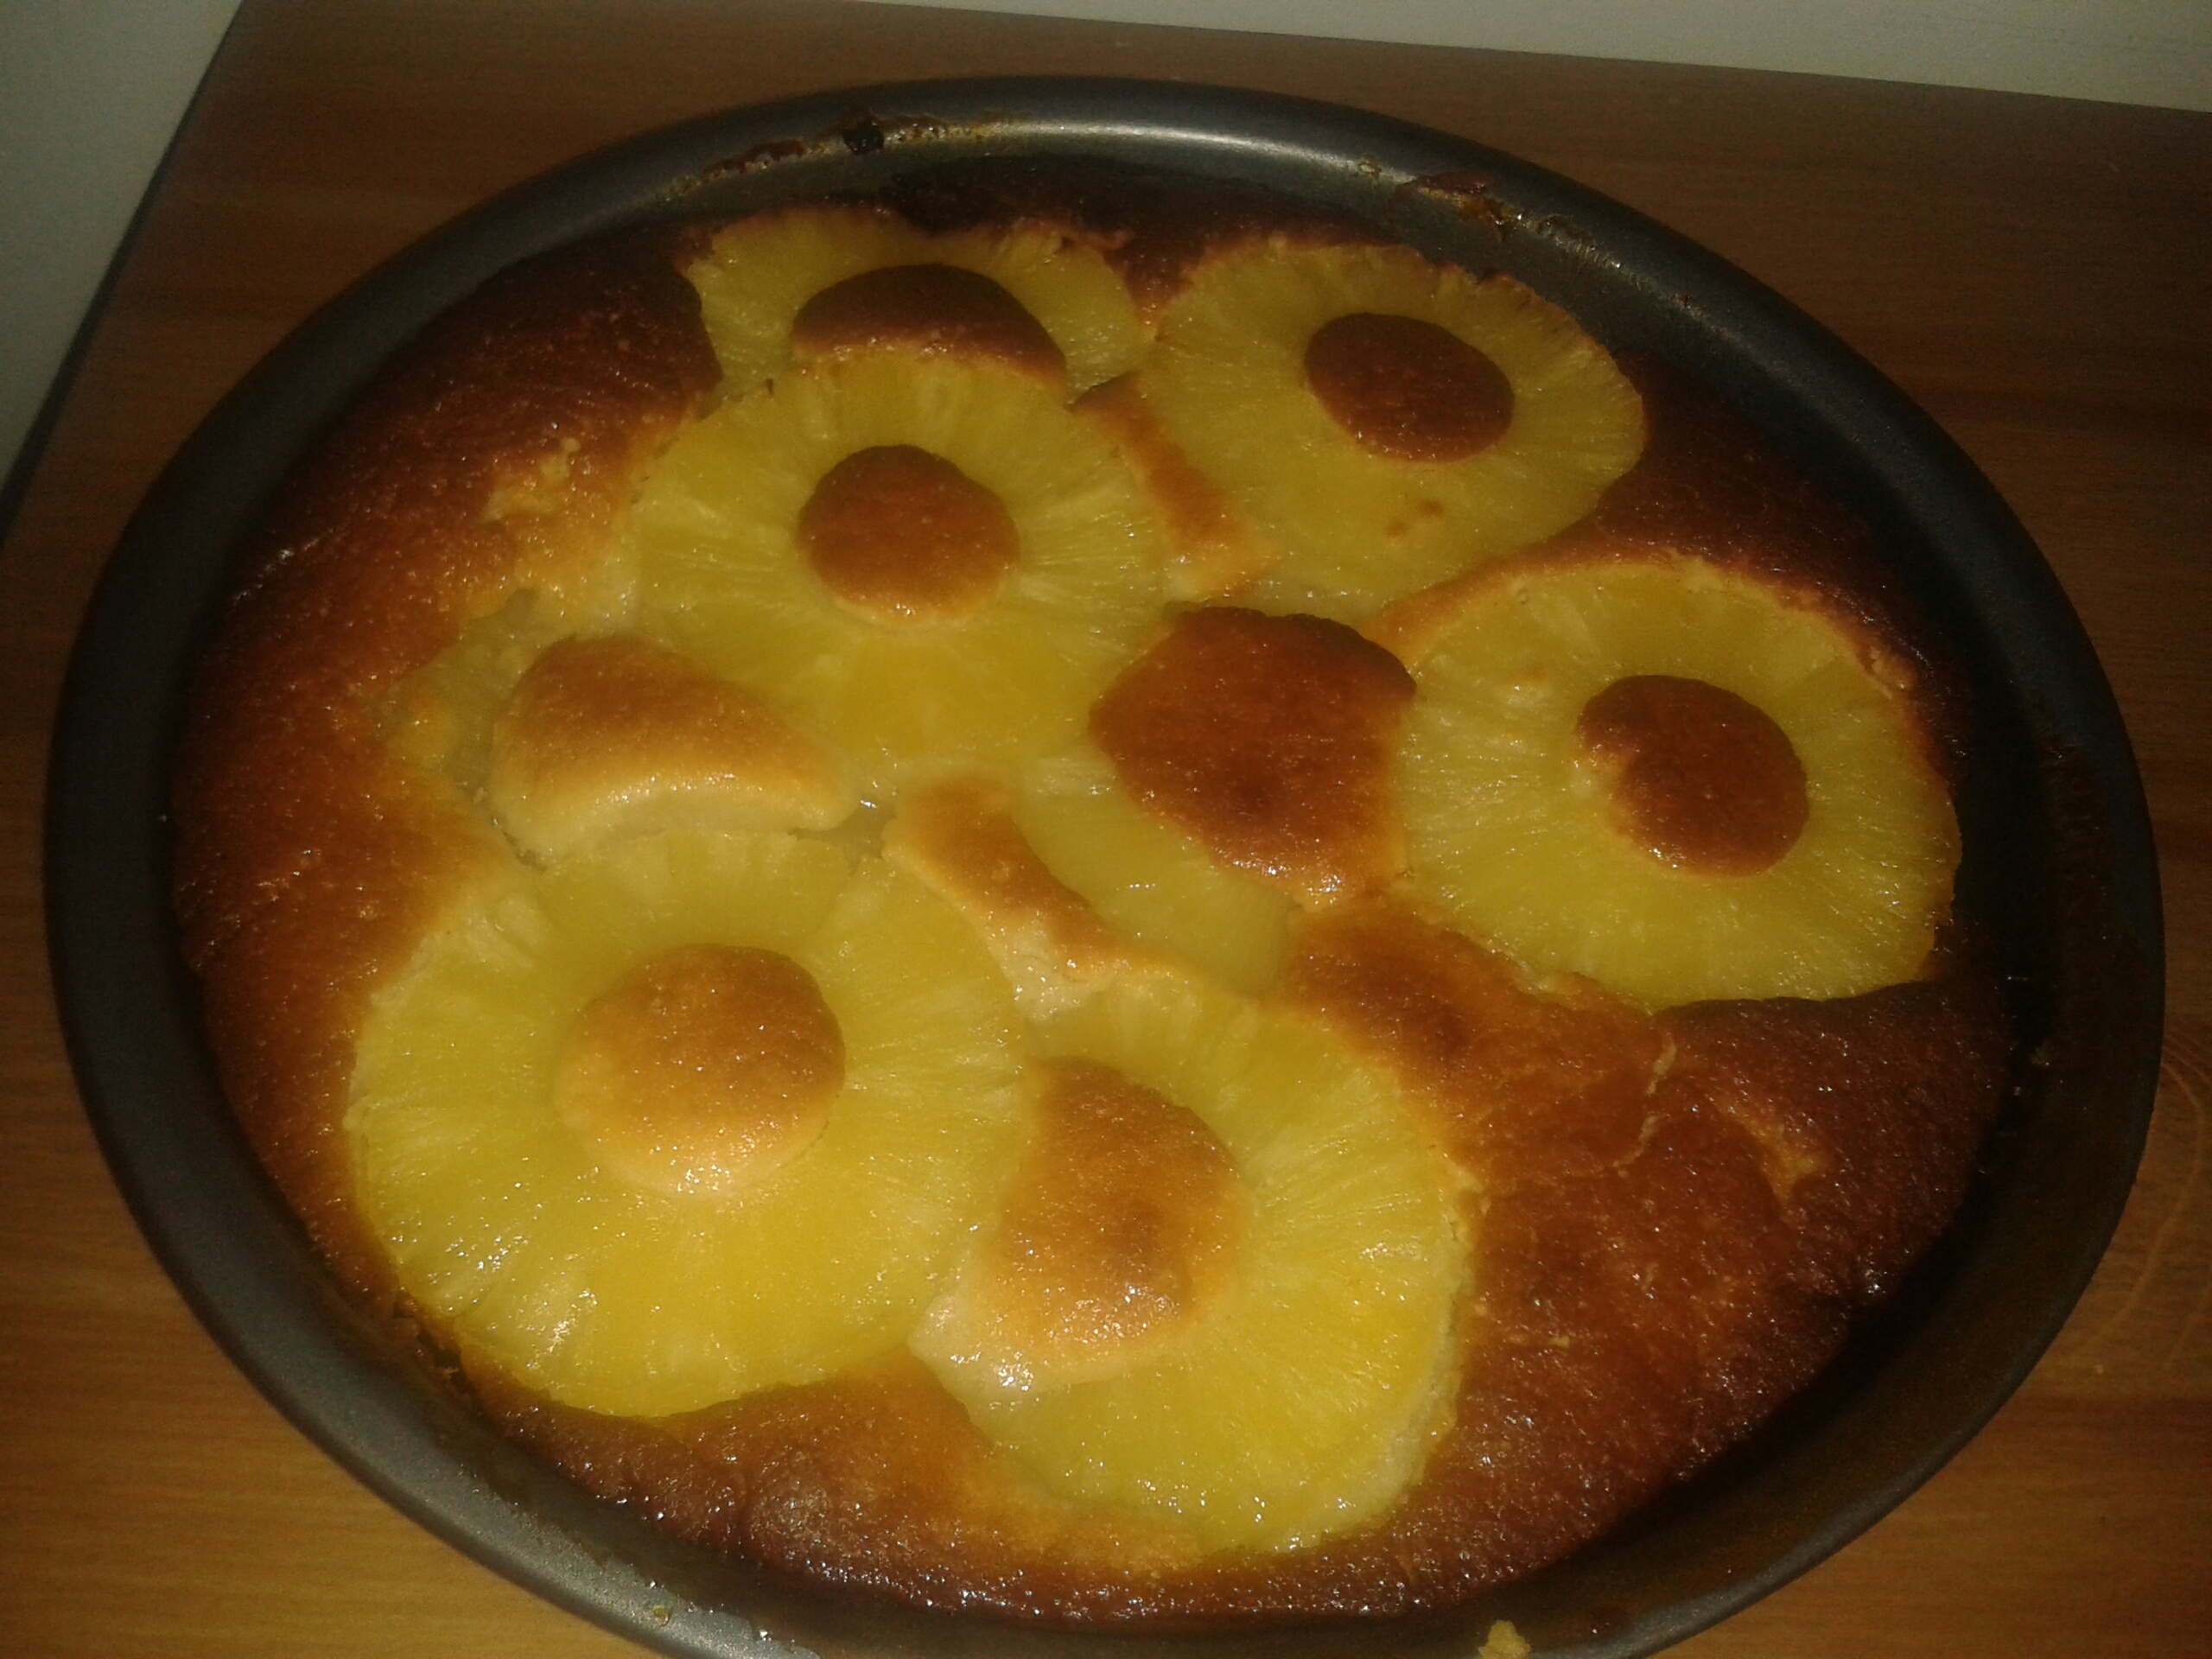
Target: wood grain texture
2031 270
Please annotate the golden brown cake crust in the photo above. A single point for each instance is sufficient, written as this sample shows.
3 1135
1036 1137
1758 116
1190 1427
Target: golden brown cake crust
1774 1166
1407 388
610 732
900 535
1120 1229
1702 776
495 449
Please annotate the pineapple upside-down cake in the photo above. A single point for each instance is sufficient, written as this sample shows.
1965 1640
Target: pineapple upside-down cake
1107 904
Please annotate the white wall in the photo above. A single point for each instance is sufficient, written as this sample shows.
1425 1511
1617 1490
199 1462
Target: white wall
89 93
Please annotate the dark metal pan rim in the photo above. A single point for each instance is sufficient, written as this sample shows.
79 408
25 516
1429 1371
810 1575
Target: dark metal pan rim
2059 800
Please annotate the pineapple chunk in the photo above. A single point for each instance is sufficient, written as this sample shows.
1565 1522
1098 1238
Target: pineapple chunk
724 578
1218 551
1298 1398
1148 879
1512 827
759 274
612 736
590 1263
1357 525
440 717
958 837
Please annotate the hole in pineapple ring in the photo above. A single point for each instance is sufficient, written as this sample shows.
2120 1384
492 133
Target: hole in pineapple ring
937 310
1408 389
1704 780
1121 1225
901 535
703 1070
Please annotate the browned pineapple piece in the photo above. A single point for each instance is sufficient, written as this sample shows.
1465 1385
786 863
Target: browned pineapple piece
1268 740
612 736
960 838
1216 550
862 278
1287 1350
926 564
440 717
688 1118
1155 883
1676 779
1071 884
1386 423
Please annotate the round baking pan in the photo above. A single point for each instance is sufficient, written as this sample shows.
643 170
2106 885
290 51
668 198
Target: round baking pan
2059 866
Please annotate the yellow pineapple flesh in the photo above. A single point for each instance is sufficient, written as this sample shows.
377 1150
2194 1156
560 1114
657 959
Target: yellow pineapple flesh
1299 1400
1148 879
1358 527
606 735
958 837
1511 829
440 717
724 578
582 1256
758 275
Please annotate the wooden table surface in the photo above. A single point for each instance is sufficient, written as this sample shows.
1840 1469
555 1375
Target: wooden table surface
2033 271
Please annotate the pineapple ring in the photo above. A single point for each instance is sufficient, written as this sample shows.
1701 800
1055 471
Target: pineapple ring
615 1293
724 580
1227 380
1300 1402
758 273
1147 879
1511 828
